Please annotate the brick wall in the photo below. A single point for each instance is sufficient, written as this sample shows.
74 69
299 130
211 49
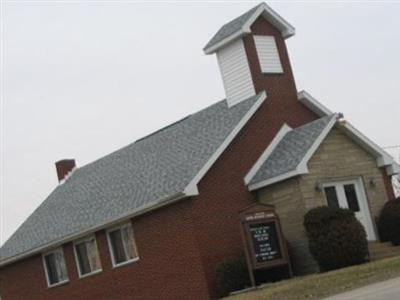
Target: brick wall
337 158
169 266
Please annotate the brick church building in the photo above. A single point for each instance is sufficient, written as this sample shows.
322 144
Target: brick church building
154 219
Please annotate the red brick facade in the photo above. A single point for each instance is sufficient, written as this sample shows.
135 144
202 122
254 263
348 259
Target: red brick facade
181 245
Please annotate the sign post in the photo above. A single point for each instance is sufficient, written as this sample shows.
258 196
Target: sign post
265 246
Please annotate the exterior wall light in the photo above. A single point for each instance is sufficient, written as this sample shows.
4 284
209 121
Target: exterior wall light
372 182
318 187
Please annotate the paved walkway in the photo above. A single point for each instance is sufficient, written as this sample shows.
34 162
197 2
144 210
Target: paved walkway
386 290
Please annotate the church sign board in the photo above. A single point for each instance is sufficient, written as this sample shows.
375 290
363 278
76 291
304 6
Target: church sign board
265 246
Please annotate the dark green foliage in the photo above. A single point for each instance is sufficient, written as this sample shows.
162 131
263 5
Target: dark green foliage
336 238
389 222
232 276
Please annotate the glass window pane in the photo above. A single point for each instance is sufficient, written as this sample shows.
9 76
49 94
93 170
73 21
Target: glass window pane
93 255
331 196
61 269
83 260
117 246
51 268
351 196
129 242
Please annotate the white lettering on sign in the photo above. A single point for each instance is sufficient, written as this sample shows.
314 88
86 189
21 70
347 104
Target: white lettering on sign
259 215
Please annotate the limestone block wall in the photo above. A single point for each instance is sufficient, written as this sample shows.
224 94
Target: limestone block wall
337 158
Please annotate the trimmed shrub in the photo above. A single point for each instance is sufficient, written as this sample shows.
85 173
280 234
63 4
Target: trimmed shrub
232 276
336 238
389 222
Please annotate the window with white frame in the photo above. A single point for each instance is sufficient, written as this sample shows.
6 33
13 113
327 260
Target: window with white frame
55 269
87 256
122 245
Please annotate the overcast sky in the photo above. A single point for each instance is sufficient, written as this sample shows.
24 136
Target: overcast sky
82 79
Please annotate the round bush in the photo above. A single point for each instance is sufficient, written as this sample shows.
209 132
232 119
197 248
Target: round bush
336 238
232 276
389 222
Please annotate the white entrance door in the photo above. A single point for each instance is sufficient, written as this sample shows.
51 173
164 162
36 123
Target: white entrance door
350 194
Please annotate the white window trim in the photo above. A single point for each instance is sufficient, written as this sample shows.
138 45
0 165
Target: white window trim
88 238
45 268
129 261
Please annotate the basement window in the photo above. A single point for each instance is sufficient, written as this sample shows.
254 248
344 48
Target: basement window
87 257
122 245
54 266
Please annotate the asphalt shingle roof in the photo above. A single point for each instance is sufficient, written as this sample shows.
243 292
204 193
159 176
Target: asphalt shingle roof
290 150
148 170
231 27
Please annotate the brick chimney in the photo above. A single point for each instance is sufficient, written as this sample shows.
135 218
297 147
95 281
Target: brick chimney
64 167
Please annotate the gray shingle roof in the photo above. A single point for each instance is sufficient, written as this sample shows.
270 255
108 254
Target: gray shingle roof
148 170
291 150
231 27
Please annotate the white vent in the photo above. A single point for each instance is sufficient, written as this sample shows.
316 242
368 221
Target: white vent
235 72
268 54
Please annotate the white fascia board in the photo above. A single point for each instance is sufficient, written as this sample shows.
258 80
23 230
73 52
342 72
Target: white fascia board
313 104
225 41
134 213
393 169
286 29
383 158
267 152
303 163
192 189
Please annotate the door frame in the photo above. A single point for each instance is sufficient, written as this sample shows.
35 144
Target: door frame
363 201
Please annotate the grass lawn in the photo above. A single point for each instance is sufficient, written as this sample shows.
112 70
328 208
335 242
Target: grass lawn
318 286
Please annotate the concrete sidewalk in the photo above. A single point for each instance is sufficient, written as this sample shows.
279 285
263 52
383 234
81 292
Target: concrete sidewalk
386 290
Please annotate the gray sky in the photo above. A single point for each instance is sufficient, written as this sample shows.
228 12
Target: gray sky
82 79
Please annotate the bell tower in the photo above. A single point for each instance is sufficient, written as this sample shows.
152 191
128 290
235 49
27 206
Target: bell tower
252 56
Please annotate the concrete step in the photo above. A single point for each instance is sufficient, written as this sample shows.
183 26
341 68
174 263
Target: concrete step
379 244
379 250
383 256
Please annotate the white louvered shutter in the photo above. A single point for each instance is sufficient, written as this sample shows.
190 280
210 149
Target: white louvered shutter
268 54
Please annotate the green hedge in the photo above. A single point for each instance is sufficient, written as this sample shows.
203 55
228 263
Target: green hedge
232 276
389 222
336 238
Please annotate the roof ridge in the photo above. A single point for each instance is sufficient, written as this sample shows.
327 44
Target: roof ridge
150 134
315 121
